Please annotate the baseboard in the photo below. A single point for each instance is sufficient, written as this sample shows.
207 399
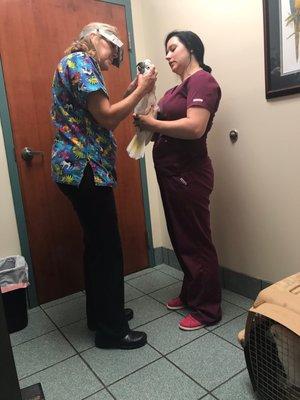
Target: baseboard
235 281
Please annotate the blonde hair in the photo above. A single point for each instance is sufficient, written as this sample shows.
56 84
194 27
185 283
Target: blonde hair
84 43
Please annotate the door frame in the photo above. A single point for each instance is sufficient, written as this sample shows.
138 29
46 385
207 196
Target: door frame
14 174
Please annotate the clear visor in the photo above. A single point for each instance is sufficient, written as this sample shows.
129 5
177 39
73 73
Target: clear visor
118 45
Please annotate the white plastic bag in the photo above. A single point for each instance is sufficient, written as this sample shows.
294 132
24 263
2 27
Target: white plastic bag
13 273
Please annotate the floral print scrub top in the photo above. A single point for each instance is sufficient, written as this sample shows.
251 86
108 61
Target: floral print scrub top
79 139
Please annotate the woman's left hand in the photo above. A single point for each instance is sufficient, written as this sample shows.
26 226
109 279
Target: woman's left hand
146 122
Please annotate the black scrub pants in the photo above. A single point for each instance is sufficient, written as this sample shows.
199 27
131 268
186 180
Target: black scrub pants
103 259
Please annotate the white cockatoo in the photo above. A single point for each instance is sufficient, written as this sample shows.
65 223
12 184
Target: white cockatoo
136 148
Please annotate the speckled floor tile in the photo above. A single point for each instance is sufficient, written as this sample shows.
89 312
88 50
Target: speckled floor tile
166 269
209 360
62 300
102 395
38 324
67 312
112 365
230 330
68 380
165 336
237 388
237 299
131 293
145 310
40 353
158 381
138 273
165 294
150 282
79 335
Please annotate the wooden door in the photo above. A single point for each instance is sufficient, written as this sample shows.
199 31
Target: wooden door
33 37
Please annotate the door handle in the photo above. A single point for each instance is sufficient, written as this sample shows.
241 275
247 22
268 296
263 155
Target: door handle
27 153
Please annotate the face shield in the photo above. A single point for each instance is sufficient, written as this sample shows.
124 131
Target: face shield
110 37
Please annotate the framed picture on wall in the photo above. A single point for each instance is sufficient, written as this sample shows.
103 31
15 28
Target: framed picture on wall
282 47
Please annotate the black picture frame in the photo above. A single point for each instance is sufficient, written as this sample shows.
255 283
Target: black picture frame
276 83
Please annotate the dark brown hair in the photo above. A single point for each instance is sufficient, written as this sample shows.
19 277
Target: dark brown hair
193 43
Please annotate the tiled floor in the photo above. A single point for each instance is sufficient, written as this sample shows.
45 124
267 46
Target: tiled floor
57 349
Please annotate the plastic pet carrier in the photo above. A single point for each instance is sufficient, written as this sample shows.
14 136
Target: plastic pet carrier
271 341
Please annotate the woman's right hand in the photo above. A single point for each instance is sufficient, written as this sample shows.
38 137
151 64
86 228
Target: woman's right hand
146 83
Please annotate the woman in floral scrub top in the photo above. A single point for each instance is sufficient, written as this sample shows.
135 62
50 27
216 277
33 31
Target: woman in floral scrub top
185 176
83 166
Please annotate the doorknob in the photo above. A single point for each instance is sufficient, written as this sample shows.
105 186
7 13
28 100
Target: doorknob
233 135
27 154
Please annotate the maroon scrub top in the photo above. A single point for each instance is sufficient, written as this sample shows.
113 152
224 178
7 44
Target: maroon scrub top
172 155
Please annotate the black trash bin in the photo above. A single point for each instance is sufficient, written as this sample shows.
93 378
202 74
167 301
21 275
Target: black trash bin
13 283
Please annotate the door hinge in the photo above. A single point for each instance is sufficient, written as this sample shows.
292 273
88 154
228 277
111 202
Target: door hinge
15 154
129 42
147 239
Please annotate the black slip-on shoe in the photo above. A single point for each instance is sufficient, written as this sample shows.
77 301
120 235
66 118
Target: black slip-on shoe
128 316
132 340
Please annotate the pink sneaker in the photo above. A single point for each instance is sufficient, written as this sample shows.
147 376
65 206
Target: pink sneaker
190 323
175 304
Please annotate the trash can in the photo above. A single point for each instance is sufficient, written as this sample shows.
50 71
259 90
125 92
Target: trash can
13 284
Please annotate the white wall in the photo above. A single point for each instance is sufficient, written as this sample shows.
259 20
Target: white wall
9 239
255 206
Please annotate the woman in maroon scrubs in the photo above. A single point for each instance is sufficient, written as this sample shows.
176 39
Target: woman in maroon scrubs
185 176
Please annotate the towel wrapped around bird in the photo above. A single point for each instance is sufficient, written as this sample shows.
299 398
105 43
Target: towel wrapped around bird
136 148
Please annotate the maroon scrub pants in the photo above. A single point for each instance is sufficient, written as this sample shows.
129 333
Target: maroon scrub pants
185 199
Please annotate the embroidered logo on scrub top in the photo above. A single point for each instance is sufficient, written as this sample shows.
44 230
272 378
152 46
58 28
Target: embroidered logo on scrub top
198 100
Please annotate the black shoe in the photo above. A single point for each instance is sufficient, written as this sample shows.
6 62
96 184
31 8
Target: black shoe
132 340
128 316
